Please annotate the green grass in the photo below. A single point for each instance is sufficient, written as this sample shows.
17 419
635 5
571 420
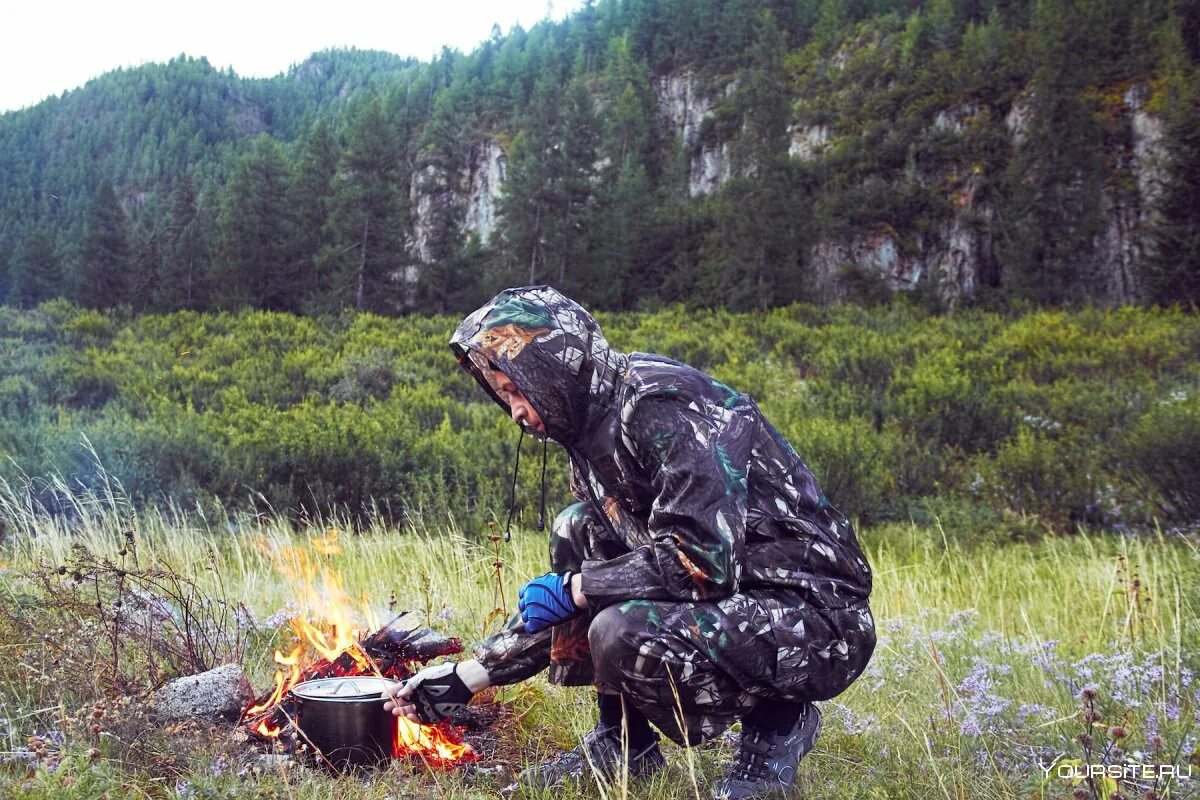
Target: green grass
964 634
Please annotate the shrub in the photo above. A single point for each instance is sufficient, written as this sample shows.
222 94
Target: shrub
1162 454
370 377
1036 414
1056 480
947 400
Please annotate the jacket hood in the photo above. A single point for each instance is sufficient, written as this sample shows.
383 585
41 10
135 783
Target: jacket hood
553 351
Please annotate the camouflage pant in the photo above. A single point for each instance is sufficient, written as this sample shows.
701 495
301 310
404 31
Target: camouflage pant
693 669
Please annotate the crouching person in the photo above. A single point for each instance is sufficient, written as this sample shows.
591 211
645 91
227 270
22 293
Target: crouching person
701 579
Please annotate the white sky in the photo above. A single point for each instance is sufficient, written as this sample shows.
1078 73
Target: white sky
49 46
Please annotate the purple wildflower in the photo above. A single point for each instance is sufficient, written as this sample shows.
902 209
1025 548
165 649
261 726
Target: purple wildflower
979 708
961 619
284 615
1027 711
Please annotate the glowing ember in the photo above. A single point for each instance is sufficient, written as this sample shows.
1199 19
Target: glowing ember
431 743
329 644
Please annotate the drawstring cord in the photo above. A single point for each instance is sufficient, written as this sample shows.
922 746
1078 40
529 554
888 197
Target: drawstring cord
512 497
541 526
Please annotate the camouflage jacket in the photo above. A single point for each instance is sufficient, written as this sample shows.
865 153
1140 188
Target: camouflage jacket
707 496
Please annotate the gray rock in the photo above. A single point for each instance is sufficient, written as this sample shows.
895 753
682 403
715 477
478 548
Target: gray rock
219 693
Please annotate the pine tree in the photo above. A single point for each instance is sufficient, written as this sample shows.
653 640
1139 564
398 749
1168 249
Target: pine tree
943 24
33 272
145 262
576 153
751 257
368 215
530 192
185 262
105 271
1051 204
257 265
619 280
444 274
309 196
1173 270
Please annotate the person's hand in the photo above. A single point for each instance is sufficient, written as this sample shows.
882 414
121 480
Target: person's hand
546 601
435 693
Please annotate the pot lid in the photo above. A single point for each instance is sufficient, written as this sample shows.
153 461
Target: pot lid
357 687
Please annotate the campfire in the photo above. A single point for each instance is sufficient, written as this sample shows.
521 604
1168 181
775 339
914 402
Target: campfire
330 644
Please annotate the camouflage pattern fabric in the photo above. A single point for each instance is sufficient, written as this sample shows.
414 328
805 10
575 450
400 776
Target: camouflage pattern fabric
692 669
716 571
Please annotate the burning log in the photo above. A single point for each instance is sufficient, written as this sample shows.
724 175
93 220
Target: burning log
330 645
391 652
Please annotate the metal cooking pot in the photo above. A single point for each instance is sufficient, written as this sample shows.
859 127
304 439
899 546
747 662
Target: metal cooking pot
344 718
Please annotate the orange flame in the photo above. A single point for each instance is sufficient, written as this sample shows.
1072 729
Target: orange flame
267 729
283 682
429 742
325 628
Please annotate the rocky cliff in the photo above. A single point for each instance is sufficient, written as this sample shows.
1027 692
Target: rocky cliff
954 257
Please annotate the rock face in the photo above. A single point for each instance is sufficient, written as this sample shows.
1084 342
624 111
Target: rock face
711 167
1017 121
488 167
875 253
963 257
956 256
436 197
808 142
682 106
219 693
466 198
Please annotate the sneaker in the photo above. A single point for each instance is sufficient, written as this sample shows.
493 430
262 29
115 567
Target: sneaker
599 752
766 762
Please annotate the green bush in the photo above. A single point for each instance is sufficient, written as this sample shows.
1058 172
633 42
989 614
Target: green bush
1064 417
1056 480
951 399
1162 454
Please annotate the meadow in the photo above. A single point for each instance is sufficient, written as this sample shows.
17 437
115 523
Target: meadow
1024 487
981 679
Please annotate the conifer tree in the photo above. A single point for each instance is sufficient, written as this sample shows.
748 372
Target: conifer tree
1054 183
145 262
1173 270
182 282
257 264
530 192
309 196
105 276
33 272
368 216
751 258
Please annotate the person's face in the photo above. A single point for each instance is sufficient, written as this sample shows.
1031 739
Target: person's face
518 404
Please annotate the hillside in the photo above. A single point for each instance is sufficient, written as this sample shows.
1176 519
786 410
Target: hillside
641 152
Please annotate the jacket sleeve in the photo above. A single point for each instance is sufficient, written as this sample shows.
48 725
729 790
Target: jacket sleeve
697 462
512 655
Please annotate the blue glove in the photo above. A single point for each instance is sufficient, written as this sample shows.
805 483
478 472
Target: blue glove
546 601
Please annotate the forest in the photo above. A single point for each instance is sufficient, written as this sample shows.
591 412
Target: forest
645 152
